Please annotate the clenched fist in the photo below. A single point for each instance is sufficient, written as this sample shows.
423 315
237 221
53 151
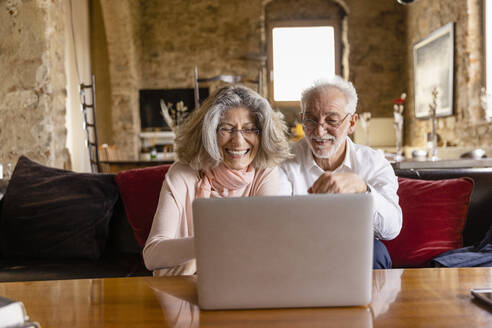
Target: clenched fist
337 183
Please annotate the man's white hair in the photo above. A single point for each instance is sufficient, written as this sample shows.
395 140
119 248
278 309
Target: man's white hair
335 82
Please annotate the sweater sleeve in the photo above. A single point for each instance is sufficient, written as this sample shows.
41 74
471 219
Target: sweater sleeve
267 183
169 247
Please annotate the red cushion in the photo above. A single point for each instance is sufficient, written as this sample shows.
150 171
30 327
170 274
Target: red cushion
140 189
434 214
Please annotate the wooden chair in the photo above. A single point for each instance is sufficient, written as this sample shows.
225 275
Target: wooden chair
107 153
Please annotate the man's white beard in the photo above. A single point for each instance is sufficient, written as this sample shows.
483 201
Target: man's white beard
336 146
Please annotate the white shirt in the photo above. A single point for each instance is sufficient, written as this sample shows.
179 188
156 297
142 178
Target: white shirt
300 172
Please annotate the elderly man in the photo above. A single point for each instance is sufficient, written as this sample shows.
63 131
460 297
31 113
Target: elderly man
327 161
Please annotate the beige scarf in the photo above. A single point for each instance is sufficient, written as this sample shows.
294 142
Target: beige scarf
223 182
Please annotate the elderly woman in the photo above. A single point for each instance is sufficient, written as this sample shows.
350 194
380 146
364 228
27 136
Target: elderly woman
229 147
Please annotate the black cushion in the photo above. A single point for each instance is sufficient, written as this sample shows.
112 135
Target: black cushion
3 187
50 213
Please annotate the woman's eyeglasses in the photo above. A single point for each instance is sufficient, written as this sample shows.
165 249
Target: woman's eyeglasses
229 132
328 123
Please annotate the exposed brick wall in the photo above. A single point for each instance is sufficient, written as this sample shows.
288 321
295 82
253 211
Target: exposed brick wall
32 90
155 44
121 27
376 34
100 69
466 126
214 35
374 47
172 36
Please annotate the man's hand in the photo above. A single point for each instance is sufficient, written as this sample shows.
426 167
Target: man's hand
338 183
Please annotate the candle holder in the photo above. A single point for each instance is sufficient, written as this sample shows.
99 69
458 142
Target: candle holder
398 107
364 120
486 104
432 114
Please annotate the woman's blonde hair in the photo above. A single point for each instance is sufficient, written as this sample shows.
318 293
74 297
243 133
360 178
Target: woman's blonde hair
196 139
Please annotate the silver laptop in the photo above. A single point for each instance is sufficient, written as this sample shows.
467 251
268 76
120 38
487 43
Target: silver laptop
284 251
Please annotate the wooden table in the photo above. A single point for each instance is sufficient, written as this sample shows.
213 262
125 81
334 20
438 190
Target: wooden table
402 298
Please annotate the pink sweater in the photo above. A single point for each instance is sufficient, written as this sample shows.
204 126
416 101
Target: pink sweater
169 247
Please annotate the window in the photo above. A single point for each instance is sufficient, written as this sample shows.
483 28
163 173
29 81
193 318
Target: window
299 54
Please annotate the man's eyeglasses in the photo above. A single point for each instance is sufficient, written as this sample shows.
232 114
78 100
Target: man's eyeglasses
328 123
247 133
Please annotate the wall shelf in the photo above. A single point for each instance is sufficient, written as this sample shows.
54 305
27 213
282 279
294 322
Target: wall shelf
444 164
161 141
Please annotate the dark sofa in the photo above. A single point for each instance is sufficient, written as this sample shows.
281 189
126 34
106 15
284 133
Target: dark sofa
58 224
121 256
479 217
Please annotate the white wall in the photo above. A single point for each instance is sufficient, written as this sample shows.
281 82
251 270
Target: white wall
78 57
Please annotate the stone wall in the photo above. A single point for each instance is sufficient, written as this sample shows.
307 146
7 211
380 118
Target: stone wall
222 37
466 126
373 54
213 35
217 35
376 34
100 69
120 23
32 90
155 44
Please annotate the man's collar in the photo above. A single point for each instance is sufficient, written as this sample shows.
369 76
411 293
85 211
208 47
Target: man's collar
349 150
308 159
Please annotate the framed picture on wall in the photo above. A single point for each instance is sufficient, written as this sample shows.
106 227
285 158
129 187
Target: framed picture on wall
433 59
